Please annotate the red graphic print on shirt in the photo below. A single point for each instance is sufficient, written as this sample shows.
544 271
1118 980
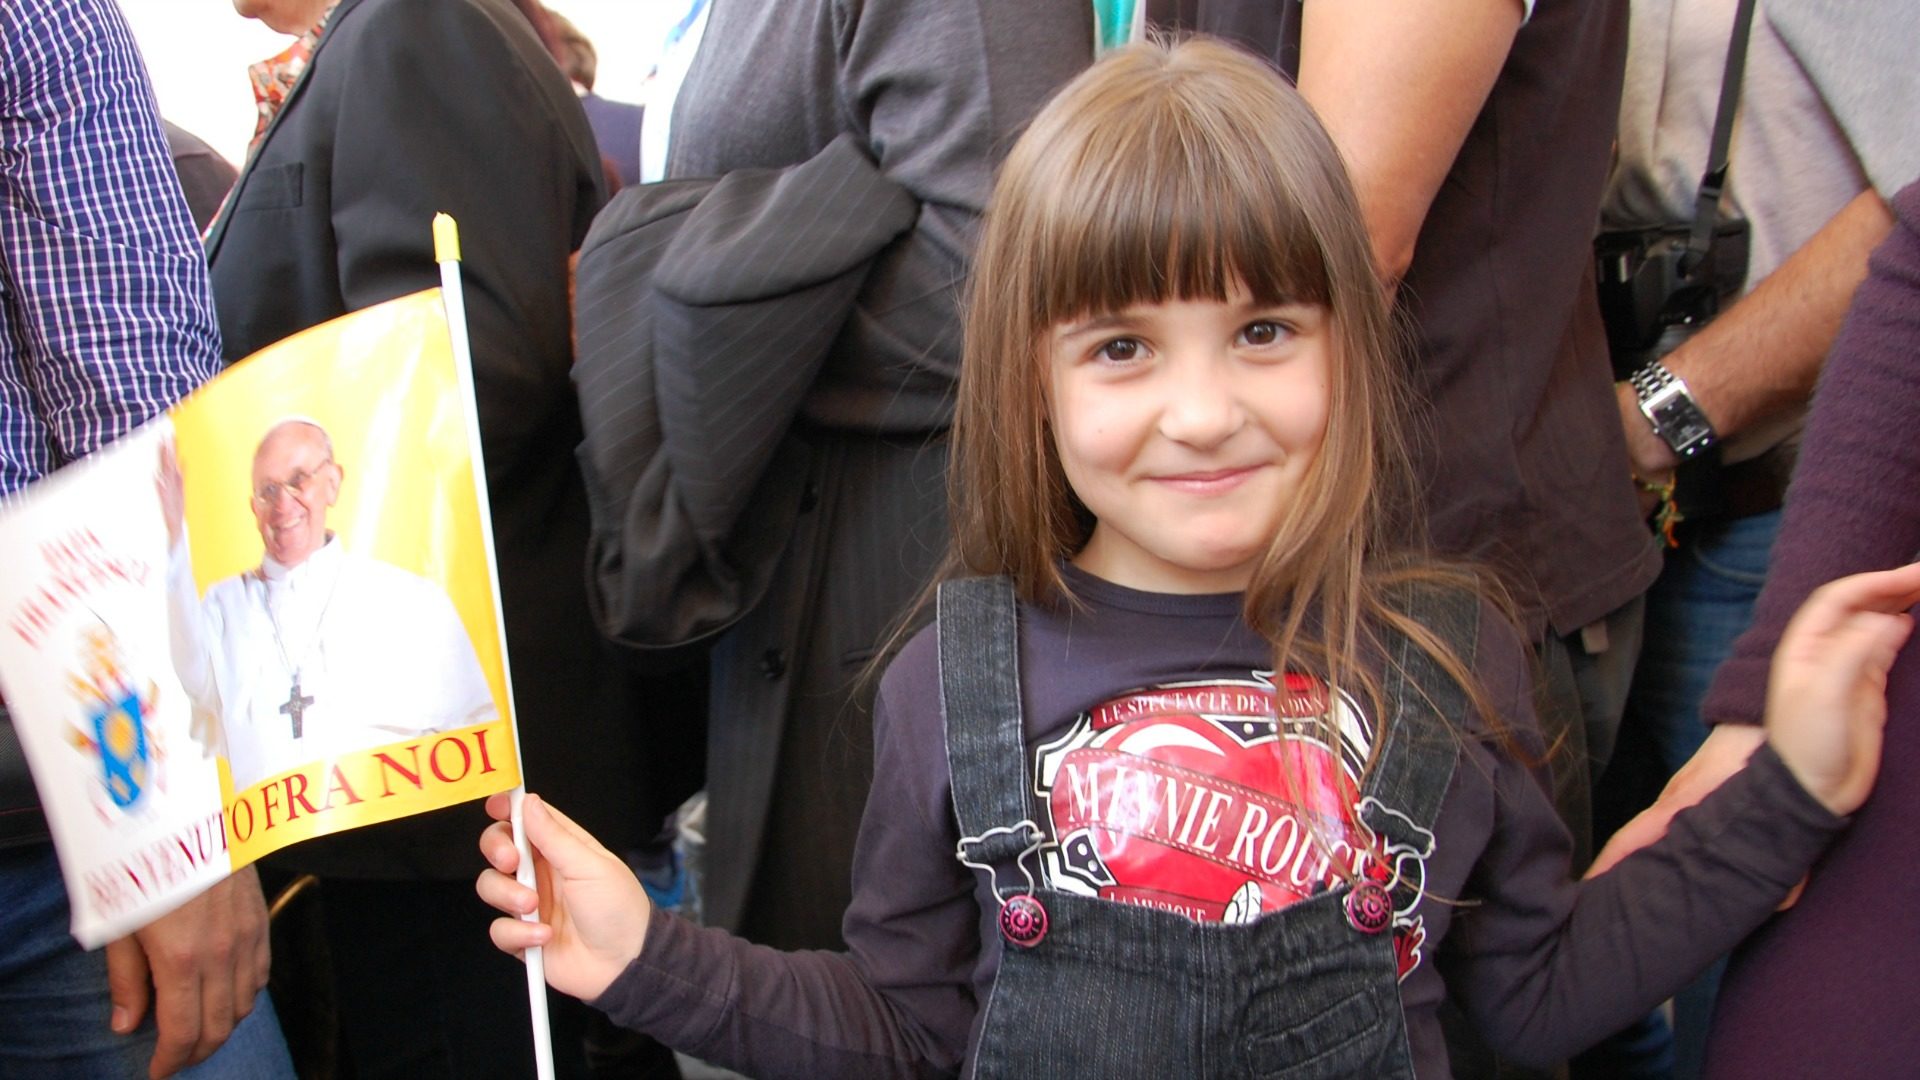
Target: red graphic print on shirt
1181 797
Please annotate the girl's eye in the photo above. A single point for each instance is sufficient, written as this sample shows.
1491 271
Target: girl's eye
1264 332
1119 351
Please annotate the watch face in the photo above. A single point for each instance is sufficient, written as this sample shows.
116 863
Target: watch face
1679 422
1682 427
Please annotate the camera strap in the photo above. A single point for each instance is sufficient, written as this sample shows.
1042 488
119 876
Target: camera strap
1706 205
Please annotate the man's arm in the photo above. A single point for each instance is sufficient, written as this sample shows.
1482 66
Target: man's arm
1398 86
1763 354
106 284
109 322
1852 509
200 967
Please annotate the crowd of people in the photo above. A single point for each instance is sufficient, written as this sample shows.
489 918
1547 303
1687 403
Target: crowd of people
1344 540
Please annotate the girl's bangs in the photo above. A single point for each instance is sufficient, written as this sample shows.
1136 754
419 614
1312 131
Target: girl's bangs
1173 208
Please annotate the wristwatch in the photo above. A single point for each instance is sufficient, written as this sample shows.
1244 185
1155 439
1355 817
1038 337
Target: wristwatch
1670 408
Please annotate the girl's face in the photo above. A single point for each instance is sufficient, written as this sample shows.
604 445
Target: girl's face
1185 427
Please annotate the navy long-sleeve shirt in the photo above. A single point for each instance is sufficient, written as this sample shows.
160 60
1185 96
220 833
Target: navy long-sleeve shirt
1543 964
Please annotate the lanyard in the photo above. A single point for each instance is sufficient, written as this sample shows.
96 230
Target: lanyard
1117 23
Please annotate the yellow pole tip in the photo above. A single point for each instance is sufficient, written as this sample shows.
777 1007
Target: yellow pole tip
446 239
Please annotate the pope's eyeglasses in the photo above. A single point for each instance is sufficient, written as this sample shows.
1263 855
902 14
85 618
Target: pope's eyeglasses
268 494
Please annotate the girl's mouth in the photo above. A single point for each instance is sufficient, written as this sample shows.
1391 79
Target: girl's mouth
1209 481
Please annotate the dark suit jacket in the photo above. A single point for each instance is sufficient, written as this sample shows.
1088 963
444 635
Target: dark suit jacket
616 127
706 310
696 487
205 176
410 107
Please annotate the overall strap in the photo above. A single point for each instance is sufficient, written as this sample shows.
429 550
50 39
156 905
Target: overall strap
1412 772
980 706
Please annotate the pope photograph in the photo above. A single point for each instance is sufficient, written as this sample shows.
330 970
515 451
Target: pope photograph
317 652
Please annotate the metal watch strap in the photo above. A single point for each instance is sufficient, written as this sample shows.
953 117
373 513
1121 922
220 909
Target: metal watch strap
1669 406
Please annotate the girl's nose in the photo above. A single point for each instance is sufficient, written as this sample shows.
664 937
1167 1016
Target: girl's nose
1201 408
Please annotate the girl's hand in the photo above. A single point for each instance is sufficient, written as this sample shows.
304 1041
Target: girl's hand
593 912
1725 752
1827 696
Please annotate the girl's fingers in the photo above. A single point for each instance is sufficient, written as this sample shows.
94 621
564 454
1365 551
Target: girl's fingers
570 850
496 843
514 936
502 893
1863 648
555 823
1826 698
1876 645
1888 591
1891 633
498 807
1891 591
1854 625
567 848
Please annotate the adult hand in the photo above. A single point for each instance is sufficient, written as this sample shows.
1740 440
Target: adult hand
1827 695
173 493
1651 458
200 966
1725 752
593 913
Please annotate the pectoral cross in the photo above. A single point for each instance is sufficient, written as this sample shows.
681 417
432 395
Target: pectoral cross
296 705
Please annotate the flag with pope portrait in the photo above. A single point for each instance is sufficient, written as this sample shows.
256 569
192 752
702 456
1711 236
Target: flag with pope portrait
267 615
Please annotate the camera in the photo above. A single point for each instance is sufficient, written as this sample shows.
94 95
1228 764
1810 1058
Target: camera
1655 292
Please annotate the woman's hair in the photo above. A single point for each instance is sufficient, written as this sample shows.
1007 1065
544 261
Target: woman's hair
1178 172
576 54
541 20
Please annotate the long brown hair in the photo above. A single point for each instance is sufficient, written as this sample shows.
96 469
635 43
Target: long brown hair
1178 171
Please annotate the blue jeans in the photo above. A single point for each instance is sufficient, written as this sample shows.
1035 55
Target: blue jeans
1702 601
54 1003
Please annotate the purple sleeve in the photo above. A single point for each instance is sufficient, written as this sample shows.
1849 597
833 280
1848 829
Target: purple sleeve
1544 965
1851 507
900 1002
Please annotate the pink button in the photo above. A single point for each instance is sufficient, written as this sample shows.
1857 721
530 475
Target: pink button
1369 907
1024 921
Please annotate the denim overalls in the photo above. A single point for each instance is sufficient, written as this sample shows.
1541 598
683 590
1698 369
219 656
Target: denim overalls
1095 988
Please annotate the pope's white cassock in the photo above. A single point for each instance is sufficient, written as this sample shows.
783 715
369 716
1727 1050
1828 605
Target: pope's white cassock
337 654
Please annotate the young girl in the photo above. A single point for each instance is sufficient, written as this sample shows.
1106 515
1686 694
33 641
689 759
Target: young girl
1105 839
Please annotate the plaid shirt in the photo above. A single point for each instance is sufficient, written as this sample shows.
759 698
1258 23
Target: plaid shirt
105 318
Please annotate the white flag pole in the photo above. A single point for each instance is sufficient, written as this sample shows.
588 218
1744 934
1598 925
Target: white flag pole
446 252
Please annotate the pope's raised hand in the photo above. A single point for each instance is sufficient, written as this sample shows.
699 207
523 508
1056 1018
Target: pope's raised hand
1827 694
592 912
172 491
